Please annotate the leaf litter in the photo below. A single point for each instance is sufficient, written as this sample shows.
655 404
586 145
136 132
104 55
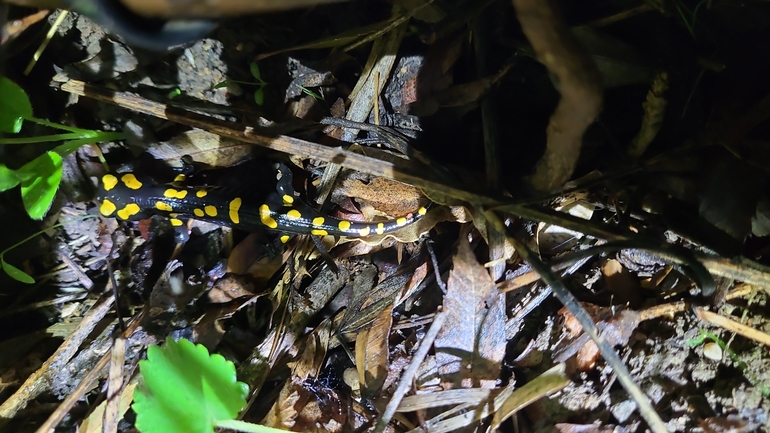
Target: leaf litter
504 146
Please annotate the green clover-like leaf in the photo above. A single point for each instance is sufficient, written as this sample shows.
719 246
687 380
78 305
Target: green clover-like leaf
254 68
259 96
183 389
8 178
14 106
16 273
40 179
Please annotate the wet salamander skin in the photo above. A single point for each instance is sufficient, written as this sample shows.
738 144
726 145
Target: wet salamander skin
130 196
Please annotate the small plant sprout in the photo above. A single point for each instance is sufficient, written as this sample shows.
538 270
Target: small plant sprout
259 94
312 94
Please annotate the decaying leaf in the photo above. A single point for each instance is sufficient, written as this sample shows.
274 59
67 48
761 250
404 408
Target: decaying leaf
654 110
383 197
298 406
204 147
471 345
616 329
469 406
368 303
372 352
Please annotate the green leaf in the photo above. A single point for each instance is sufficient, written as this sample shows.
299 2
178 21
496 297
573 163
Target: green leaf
254 68
70 146
311 93
222 84
14 106
184 389
40 179
16 273
8 178
259 97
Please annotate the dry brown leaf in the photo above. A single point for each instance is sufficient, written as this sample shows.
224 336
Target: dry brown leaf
14 28
386 197
204 147
616 329
305 370
624 287
229 288
654 111
551 381
372 353
728 424
93 423
471 345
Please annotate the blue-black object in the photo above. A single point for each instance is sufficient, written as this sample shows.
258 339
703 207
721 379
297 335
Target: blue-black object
138 31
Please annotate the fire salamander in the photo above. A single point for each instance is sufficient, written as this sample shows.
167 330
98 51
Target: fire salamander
131 197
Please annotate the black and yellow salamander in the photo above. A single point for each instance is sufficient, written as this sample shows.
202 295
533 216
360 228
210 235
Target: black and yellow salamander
131 196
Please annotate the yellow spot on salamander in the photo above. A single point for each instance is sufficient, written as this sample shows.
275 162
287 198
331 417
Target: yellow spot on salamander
211 210
380 228
109 181
173 193
173 215
401 222
128 211
287 199
317 221
285 238
293 215
266 218
422 211
198 212
235 206
180 178
107 207
131 181
201 193
319 232
176 222
364 231
344 225
165 207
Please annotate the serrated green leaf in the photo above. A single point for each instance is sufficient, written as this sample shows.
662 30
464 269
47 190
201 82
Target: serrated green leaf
16 273
14 106
184 389
259 97
40 179
8 178
254 68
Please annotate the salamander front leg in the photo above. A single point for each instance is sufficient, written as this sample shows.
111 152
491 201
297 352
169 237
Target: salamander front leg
284 181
